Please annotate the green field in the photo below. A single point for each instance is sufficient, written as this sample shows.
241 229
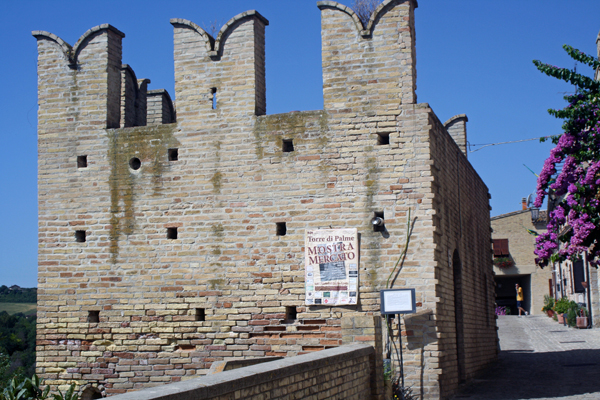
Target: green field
13 308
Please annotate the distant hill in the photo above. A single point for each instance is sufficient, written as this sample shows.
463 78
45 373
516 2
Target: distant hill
15 308
17 294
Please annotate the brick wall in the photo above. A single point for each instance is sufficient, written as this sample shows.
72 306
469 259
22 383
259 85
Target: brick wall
134 108
464 285
182 263
341 373
160 108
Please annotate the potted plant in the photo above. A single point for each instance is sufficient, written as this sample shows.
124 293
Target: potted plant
561 307
572 314
582 320
548 305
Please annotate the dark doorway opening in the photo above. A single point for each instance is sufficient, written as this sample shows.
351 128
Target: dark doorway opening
506 294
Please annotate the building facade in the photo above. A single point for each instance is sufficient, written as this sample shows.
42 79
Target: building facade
514 241
174 236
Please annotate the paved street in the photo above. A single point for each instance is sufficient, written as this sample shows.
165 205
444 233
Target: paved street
540 359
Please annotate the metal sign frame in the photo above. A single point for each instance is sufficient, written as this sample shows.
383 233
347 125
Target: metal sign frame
398 301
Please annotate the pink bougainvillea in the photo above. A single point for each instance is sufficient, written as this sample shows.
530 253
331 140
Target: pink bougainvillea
574 193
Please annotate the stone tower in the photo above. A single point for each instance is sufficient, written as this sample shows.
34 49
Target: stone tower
173 236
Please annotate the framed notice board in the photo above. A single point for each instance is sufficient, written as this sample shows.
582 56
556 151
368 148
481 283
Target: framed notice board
398 301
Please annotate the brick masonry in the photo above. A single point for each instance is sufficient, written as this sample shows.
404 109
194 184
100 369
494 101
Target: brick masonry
340 373
181 261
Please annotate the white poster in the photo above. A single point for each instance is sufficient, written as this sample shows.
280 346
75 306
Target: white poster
331 267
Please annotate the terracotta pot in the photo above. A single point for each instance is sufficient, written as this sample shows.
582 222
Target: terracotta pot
550 313
561 318
582 322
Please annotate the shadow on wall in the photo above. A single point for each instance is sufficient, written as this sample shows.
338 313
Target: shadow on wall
420 332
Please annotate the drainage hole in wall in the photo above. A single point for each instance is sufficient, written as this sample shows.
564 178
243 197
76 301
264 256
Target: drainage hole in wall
173 154
200 315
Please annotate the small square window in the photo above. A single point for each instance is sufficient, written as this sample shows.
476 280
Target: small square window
93 317
200 314
173 154
171 233
287 145
80 236
291 313
81 161
383 139
281 228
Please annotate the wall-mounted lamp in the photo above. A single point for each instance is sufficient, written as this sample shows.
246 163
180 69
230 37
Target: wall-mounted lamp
377 222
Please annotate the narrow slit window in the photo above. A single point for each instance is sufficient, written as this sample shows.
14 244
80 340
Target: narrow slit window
288 145
173 154
213 91
200 314
93 317
281 228
383 139
379 218
80 236
291 313
81 161
171 233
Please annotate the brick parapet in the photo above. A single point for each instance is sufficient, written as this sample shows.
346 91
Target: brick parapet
337 373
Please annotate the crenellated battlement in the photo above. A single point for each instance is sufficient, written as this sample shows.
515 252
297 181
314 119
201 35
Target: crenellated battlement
214 47
71 53
134 99
368 68
365 31
222 76
364 68
87 84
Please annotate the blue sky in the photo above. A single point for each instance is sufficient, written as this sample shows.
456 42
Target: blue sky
473 57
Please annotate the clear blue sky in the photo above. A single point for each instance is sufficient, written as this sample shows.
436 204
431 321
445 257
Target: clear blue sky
473 57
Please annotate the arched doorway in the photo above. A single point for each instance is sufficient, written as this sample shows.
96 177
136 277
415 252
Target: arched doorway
458 315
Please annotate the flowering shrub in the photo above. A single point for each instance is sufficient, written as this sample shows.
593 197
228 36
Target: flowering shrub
502 311
574 220
503 262
548 303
